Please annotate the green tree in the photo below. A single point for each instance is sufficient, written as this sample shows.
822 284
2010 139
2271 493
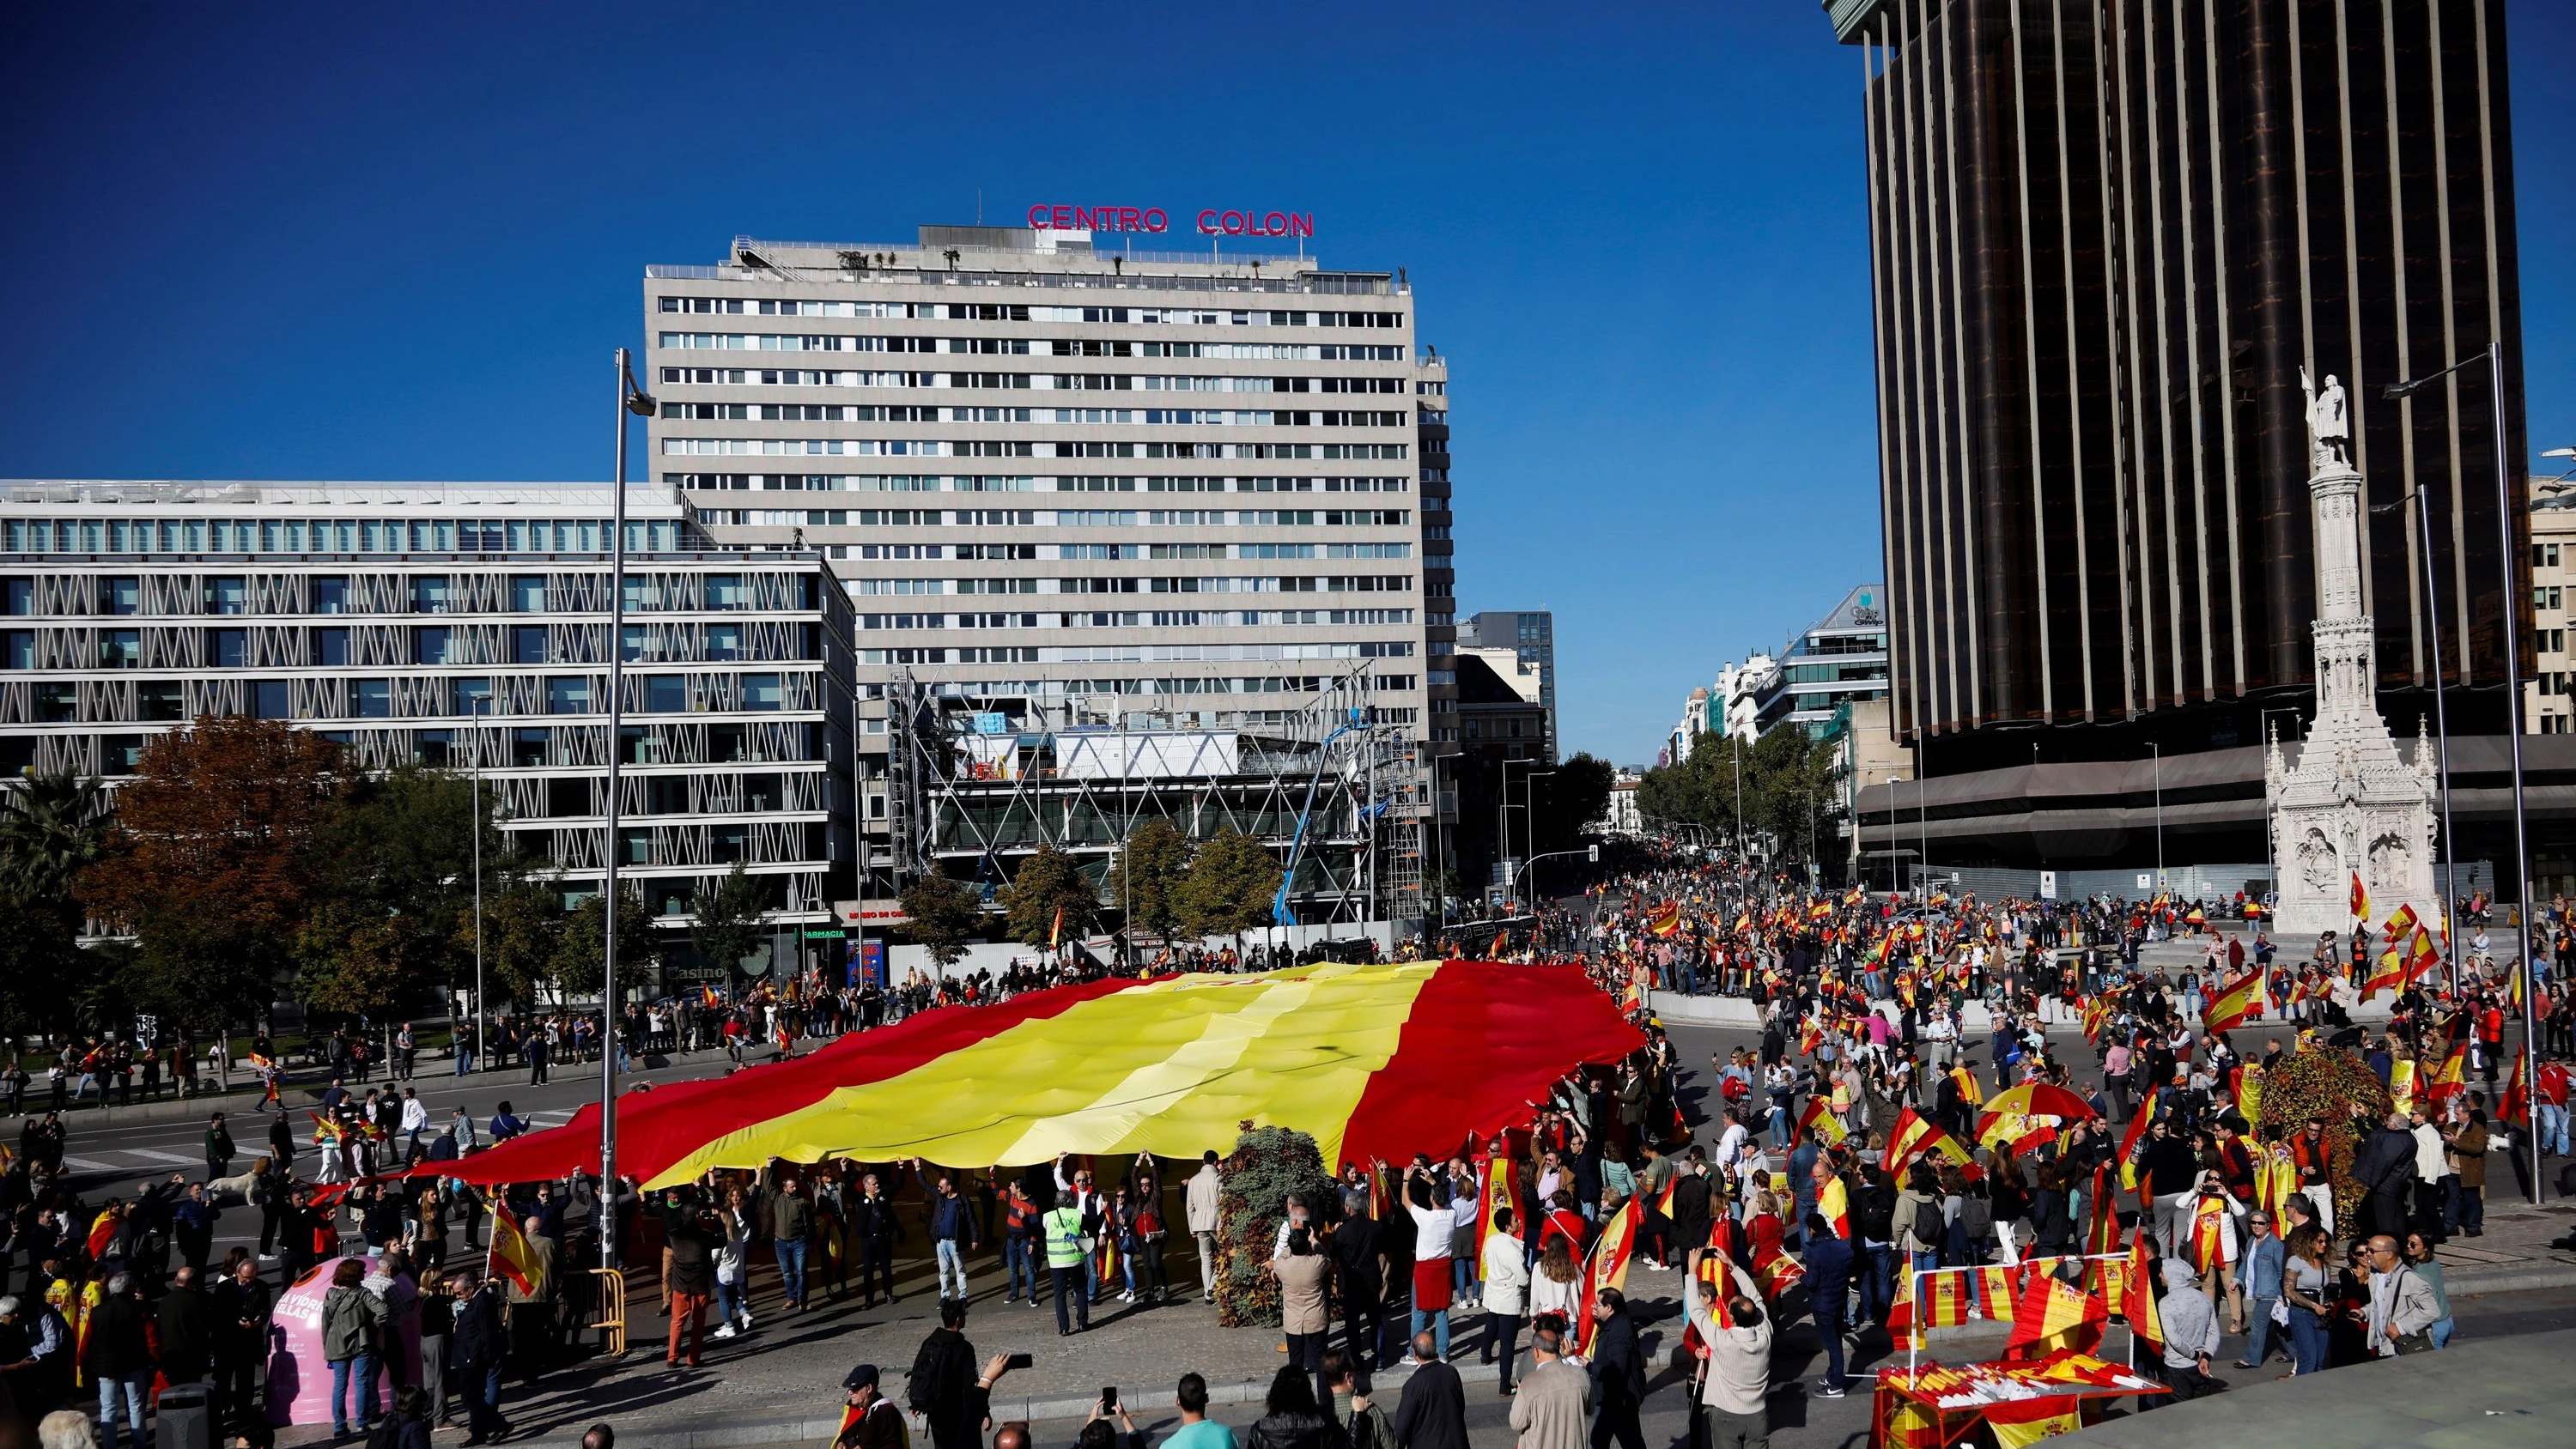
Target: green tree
398 854
523 925
52 828
213 864
1049 882
731 915
1575 795
1230 887
1146 880
1789 784
354 958
942 914
582 946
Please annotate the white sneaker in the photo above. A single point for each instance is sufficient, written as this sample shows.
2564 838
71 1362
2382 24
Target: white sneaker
746 1323
725 1332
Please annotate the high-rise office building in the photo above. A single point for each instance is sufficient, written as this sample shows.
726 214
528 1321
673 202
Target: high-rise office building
2106 236
1072 487
461 625
1531 636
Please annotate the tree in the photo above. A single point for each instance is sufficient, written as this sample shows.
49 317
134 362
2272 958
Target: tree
1147 878
397 857
731 919
353 958
212 862
582 947
52 828
1230 887
943 913
1049 882
523 927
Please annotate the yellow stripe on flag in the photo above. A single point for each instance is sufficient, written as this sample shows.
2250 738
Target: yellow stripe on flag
1171 1067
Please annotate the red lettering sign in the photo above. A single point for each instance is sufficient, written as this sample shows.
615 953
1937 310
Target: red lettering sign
1048 217
1252 223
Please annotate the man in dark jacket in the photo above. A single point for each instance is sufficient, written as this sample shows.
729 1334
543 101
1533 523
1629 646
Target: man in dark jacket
242 1305
1618 1374
944 1387
480 1344
1829 1273
2384 1166
874 1227
118 1358
1360 1274
186 1330
1433 1411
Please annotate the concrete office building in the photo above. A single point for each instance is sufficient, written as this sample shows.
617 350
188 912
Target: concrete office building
1530 634
462 625
1065 486
1837 661
2105 241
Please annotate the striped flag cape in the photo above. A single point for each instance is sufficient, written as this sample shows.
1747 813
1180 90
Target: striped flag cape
102 1232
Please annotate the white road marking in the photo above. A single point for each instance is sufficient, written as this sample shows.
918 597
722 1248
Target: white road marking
83 1164
163 1156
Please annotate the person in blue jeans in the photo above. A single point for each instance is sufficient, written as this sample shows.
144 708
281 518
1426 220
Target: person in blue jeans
791 1222
1829 1263
952 1228
2307 1285
352 1321
2258 1278
118 1355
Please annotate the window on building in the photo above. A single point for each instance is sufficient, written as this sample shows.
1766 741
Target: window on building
528 747
429 644
57 703
227 648
568 694
763 691
429 594
528 644
528 593
121 595
666 693
330 594
331 645
568 795
18 649
120 648
724 641
18 596
160 701
473 697
724 591
272 699
120 754
371 698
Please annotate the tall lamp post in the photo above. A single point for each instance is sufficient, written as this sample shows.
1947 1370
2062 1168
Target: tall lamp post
2512 611
631 398
2441 726
482 709
2158 751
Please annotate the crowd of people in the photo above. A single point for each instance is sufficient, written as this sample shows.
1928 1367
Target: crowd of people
1846 1153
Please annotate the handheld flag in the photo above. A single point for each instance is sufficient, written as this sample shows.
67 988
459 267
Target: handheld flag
2235 1003
1055 932
2138 1293
102 1231
1607 1267
2360 898
1668 920
510 1256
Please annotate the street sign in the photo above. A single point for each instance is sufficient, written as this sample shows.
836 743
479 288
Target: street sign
2048 885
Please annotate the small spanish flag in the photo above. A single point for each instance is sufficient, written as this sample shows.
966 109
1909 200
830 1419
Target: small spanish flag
102 1231
2360 899
2138 1295
1055 933
510 1256
1667 920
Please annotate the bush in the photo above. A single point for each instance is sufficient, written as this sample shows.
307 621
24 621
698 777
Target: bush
1268 1163
2321 1081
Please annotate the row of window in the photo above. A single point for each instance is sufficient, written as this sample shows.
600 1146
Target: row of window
961 448
1058 688
1067 382
938 448
1290 584
1117 517
165 700
990 483
1015 312
286 648
177 594
1199 351
1163 619
331 535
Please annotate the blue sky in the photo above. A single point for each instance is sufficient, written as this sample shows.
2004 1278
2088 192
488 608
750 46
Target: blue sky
362 242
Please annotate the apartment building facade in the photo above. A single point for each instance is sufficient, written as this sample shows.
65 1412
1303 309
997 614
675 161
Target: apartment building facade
1074 487
465 626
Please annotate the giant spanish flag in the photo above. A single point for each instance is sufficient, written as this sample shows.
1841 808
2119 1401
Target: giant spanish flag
1375 1061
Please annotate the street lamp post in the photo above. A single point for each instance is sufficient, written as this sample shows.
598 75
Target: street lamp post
2512 611
2441 727
482 709
631 398
2158 751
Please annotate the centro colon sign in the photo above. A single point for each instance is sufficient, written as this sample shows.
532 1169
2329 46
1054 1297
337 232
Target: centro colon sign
1212 222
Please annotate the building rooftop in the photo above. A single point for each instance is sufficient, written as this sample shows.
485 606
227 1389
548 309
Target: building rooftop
1000 256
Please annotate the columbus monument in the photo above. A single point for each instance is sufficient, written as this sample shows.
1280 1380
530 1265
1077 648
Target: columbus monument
2350 806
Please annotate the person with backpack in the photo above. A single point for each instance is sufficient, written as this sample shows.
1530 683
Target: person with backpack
944 1389
1874 1234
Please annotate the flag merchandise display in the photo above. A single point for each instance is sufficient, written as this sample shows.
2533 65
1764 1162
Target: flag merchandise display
2138 1292
2055 1316
2019 1423
1942 1299
1371 1060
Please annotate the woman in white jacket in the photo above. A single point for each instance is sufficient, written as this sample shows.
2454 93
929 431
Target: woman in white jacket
1507 1282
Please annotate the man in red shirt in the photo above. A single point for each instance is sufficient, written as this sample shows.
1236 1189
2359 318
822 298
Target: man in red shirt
2552 1099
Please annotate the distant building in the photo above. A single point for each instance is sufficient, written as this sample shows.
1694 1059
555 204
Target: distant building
1840 659
1531 636
1621 817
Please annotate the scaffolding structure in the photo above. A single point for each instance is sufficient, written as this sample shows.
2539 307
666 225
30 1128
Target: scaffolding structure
978 783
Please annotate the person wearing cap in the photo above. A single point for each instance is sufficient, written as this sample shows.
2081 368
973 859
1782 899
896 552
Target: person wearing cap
871 1421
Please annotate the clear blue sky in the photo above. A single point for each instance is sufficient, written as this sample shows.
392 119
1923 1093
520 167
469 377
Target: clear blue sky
380 242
